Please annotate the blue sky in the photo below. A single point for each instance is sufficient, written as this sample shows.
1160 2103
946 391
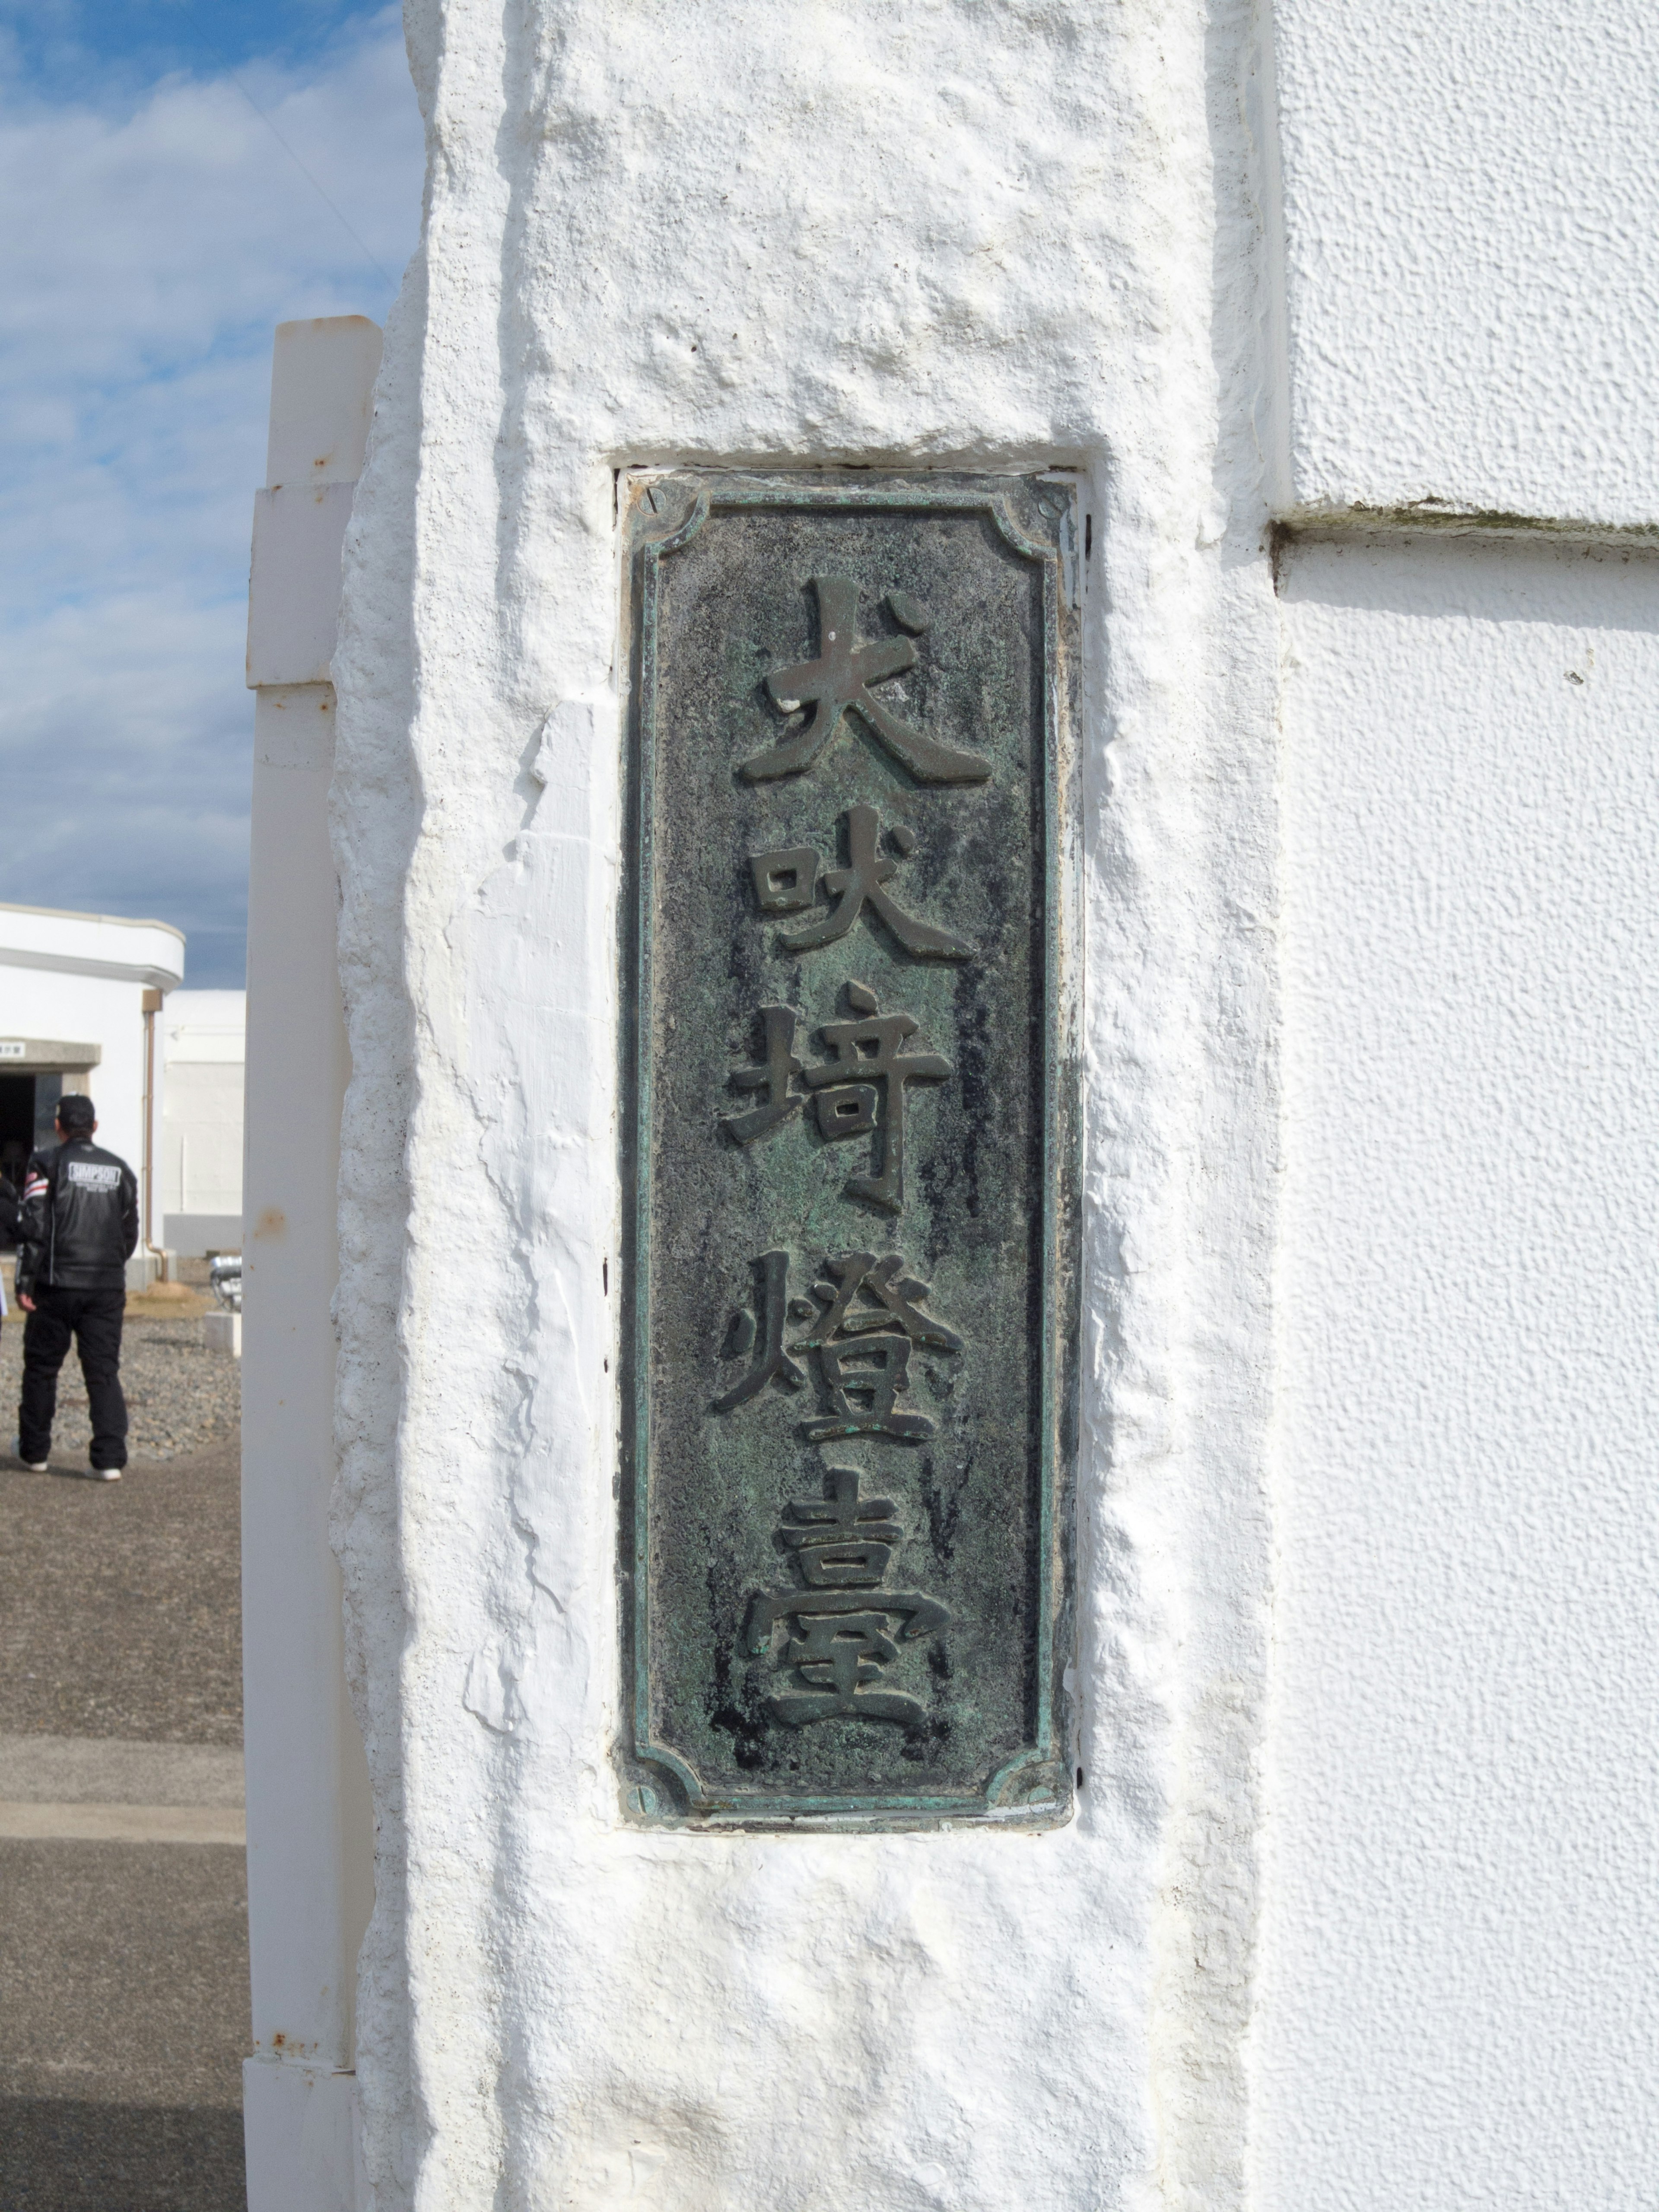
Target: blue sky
178 176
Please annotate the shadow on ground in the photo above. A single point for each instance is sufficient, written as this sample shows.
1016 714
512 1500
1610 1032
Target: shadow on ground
57 2154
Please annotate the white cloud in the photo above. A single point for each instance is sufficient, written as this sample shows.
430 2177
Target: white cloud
145 257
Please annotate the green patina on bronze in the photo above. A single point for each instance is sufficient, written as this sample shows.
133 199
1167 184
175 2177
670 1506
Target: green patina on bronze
849 1149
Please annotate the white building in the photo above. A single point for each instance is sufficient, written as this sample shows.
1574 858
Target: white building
201 1142
80 999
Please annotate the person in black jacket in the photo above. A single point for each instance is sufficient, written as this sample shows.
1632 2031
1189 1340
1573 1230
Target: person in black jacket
77 1230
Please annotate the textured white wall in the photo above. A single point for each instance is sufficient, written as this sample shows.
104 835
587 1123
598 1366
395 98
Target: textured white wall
1471 255
1460 1977
935 233
203 1039
201 1141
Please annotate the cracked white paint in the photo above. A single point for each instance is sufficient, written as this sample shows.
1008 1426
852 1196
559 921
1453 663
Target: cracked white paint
1005 235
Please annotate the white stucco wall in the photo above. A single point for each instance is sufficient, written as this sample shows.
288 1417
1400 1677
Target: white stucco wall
753 235
1468 247
1460 1957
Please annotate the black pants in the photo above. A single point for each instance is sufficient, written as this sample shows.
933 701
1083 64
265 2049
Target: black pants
93 1319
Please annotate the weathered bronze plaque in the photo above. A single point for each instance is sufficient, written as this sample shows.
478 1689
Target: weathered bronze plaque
850 1127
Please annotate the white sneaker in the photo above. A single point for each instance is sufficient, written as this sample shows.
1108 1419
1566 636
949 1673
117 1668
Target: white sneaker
34 1466
101 1474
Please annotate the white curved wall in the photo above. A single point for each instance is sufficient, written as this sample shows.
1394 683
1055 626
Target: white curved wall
81 979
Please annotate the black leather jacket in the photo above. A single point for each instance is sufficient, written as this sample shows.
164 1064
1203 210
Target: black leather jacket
79 1224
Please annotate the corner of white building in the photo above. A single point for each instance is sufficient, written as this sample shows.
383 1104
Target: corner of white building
204 1052
81 997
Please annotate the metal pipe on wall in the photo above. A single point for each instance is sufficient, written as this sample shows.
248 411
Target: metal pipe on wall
152 1007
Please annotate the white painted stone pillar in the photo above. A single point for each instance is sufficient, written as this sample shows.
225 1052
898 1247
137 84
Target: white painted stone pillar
998 239
309 1822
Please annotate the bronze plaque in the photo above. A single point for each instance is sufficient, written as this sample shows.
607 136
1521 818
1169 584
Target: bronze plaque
849 1148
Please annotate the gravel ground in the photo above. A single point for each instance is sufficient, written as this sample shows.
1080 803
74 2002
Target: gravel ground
180 1396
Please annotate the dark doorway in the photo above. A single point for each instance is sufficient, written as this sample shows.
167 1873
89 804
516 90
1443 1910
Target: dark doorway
16 1125
28 1107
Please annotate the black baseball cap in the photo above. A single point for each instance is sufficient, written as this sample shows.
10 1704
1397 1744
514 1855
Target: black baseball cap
76 1111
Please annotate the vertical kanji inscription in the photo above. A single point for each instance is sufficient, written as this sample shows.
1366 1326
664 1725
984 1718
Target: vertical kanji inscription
849 1149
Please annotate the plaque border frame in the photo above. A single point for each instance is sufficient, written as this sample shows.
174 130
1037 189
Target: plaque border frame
1034 1788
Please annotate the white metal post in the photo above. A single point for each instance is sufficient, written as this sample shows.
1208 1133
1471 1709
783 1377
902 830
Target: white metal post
309 1822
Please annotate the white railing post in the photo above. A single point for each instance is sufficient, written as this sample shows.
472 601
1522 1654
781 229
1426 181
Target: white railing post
309 1822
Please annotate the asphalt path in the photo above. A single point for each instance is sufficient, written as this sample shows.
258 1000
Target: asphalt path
124 2006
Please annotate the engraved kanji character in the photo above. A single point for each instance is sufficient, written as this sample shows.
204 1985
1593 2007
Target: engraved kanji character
837 1654
787 882
862 1382
838 683
863 1351
772 1363
839 1622
895 1299
842 1541
860 1089
778 1063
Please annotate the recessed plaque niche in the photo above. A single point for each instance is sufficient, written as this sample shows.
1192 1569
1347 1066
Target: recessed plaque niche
849 1148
